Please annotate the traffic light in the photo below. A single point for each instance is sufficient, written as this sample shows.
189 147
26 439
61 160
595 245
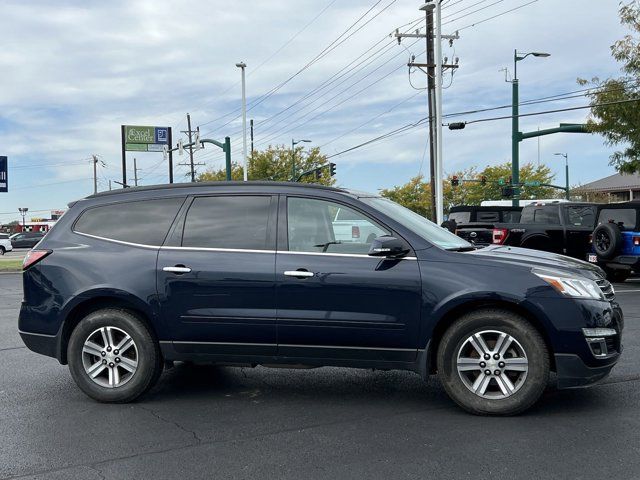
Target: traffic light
332 169
455 181
507 192
483 180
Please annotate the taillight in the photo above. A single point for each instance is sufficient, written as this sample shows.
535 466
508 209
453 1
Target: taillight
355 232
499 235
34 256
636 241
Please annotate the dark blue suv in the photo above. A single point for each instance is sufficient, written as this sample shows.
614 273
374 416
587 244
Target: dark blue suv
260 273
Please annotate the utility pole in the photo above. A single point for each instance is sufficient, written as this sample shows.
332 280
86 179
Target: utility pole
109 185
439 163
135 172
434 69
566 172
95 173
251 128
193 173
242 66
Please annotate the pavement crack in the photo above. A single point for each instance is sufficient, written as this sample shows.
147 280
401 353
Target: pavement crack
98 471
197 439
11 348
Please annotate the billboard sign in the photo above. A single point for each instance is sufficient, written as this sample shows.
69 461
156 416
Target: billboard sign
145 139
4 175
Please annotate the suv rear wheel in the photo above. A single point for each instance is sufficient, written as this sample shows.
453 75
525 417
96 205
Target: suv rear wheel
113 357
493 362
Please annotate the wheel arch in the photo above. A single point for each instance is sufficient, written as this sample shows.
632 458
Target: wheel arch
451 315
99 301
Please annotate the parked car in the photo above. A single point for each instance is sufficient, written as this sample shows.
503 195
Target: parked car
557 227
250 273
5 244
26 239
348 226
616 240
475 224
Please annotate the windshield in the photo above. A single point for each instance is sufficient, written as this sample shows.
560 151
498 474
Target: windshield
418 224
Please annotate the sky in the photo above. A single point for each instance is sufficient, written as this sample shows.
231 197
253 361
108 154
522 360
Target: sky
73 72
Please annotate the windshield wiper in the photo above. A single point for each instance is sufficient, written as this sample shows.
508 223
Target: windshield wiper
461 249
326 245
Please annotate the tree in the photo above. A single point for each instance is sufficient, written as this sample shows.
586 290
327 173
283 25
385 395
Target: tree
274 163
618 123
415 194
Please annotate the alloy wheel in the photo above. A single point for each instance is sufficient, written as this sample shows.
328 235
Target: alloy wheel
492 364
110 357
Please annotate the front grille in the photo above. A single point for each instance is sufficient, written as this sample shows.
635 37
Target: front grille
607 289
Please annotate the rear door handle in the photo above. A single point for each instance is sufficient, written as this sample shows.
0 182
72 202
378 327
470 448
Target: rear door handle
178 269
299 273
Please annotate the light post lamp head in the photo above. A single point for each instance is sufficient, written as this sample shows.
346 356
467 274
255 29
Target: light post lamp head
241 65
517 57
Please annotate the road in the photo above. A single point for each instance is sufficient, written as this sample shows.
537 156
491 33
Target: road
206 422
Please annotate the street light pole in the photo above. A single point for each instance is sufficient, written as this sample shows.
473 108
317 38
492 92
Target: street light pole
293 156
515 124
566 172
242 67
23 211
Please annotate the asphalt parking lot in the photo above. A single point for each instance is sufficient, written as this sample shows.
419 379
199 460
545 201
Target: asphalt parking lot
206 422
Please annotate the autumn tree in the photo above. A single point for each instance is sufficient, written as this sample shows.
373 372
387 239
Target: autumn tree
275 164
416 196
619 120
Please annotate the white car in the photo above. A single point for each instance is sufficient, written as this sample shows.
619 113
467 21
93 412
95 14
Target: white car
5 244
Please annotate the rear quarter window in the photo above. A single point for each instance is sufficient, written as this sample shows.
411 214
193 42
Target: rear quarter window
145 222
541 214
625 216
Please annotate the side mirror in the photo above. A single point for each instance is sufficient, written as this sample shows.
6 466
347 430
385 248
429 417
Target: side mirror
387 246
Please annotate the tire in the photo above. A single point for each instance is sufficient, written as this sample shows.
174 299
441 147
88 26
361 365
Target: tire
607 240
2 251
617 275
527 346
138 366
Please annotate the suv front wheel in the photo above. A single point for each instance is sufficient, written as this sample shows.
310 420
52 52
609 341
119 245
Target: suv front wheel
113 357
493 362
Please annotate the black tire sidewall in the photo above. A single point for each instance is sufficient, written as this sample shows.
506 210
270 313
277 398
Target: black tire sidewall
615 237
149 361
518 328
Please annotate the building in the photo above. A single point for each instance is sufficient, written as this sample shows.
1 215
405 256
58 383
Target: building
614 188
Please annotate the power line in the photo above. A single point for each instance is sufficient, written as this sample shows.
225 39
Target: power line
497 15
504 117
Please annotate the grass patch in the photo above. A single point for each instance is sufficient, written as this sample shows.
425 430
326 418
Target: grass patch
10 264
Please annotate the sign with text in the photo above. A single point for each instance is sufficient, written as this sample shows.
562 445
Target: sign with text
145 139
4 175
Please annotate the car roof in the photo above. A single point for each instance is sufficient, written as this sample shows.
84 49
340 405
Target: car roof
227 187
483 208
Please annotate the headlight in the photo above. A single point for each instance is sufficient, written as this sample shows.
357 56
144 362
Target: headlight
575 287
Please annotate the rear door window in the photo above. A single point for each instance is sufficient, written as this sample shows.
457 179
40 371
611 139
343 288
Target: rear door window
626 217
511 217
542 214
231 222
144 222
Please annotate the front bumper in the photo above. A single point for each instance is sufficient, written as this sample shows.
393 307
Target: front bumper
573 373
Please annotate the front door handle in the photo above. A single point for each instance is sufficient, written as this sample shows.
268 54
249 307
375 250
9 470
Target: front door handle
299 273
178 269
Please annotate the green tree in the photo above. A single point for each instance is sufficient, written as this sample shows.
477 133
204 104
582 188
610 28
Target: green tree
619 123
416 195
274 163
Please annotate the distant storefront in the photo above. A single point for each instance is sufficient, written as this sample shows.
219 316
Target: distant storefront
612 189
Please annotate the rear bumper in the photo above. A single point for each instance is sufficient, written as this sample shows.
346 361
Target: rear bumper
40 343
574 373
623 262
